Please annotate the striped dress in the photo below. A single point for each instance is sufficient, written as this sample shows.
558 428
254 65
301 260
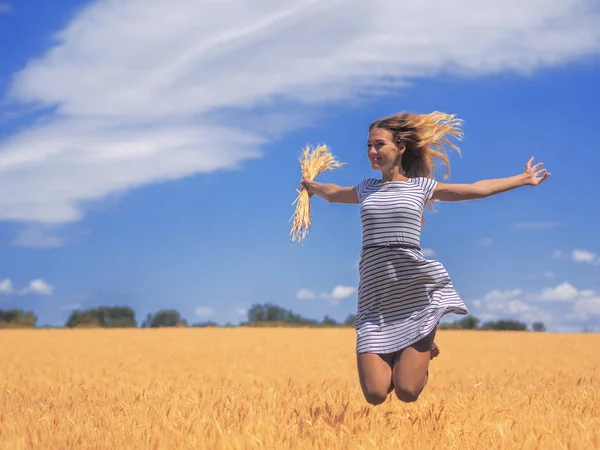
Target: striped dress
401 295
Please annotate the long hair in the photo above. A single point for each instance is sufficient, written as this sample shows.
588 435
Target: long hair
424 137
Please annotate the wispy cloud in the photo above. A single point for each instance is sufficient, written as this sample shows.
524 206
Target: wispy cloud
579 256
163 85
204 312
428 252
5 8
38 237
485 241
6 287
305 294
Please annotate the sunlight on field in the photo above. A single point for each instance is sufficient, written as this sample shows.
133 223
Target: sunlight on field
289 388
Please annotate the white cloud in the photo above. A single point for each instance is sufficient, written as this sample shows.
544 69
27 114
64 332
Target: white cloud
509 304
242 311
337 294
586 307
305 294
36 287
497 297
564 292
579 256
6 287
39 287
5 8
428 252
570 306
204 312
518 307
585 303
341 292
141 92
584 256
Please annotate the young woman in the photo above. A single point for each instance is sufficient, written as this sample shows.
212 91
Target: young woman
401 295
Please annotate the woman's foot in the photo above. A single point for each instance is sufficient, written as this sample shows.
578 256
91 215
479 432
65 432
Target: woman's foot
435 350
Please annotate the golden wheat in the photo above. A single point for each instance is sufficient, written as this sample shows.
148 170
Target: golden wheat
290 388
313 162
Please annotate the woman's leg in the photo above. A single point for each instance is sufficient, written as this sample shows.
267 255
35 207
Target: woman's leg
411 368
375 374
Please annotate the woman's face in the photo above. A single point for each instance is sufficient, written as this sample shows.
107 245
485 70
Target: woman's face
381 150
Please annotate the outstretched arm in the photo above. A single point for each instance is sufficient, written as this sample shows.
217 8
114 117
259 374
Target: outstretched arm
330 192
532 176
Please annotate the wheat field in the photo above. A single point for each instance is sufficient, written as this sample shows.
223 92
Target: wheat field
290 388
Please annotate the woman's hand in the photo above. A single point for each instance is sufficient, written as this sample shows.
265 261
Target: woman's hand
309 185
533 176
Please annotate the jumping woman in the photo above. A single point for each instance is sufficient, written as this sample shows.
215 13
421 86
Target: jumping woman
401 295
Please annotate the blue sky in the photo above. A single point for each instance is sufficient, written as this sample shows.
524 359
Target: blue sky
149 155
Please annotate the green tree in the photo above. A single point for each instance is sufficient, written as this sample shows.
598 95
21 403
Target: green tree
269 314
505 325
17 318
538 326
468 323
350 320
167 318
207 324
104 317
329 322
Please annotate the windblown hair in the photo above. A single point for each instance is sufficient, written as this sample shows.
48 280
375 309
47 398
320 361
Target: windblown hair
424 137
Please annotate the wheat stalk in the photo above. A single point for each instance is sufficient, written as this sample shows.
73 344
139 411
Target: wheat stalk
313 162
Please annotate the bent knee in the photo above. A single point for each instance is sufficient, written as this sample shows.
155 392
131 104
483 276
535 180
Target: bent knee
375 398
408 394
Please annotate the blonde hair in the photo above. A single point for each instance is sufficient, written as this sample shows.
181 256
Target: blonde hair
423 137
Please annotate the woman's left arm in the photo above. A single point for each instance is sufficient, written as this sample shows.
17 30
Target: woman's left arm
532 176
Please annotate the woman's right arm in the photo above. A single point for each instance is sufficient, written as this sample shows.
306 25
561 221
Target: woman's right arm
331 192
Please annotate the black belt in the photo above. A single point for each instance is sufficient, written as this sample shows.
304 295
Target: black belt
390 245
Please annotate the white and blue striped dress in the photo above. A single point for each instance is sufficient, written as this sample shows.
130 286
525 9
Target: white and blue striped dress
401 295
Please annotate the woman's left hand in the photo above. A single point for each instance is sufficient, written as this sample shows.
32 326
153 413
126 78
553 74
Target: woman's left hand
535 175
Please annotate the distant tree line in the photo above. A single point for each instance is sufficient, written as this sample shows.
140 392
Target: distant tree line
17 318
259 315
473 323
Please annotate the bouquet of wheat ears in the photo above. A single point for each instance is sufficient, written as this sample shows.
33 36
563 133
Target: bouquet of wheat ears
313 162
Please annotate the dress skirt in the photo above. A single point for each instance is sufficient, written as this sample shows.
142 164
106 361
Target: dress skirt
401 298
